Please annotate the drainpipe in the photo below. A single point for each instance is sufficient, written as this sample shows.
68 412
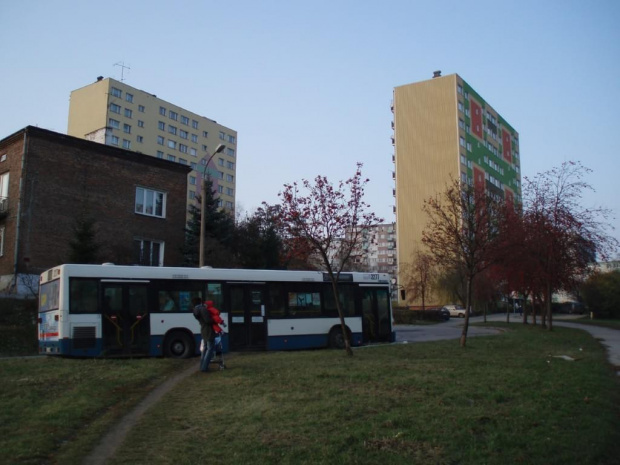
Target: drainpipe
19 208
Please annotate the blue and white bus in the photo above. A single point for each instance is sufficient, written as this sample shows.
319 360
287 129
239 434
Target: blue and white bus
106 310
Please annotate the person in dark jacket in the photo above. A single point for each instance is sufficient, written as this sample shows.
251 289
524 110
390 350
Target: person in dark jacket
206 331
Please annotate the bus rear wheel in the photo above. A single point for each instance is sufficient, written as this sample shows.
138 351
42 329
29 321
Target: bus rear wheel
178 345
336 338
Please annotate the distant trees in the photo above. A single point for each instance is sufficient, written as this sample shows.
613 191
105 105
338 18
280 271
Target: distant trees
601 294
329 221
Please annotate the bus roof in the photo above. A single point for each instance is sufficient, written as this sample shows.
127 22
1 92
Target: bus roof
112 271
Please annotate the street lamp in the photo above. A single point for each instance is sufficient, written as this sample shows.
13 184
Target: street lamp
203 206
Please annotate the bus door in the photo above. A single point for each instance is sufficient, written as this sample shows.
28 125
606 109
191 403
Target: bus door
247 319
125 320
376 318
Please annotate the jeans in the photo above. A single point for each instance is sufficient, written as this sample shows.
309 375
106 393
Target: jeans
207 355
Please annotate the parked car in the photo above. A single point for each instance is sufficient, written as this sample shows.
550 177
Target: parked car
444 313
455 310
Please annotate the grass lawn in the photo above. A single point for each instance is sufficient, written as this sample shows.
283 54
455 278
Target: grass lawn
55 410
504 399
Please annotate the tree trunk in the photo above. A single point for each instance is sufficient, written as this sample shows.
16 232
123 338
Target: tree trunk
548 303
486 306
343 326
463 341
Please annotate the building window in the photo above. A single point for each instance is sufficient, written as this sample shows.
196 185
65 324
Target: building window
461 107
128 113
140 139
114 108
220 203
116 92
230 178
230 165
193 165
161 126
204 148
192 180
183 161
205 134
192 152
172 129
160 154
160 140
468 147
162 111
184 120
183 134
230 152
230 191
150 202
194 138
172 158
172 144
195 124
126 144
140 124
114 140
173 115
229 205
222 136
148 253
459 89
129 97
127 128
462 141
192 195
220 189
114 124
220 161
183 148
141 108
232 139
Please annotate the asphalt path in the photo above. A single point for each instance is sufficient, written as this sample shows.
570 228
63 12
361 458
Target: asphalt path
452 329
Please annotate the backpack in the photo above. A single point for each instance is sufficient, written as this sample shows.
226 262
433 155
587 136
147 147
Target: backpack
196 311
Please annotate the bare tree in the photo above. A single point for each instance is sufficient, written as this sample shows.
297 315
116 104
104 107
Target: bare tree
419 274
330 220
461 233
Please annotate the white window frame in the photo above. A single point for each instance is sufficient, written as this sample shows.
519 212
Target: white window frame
146 202
149 243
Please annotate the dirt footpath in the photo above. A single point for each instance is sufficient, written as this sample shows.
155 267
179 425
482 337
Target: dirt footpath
112 441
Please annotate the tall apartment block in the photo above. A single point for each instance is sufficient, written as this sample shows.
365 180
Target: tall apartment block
113 113
443 130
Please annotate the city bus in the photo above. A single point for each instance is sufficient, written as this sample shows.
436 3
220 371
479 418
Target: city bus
110 310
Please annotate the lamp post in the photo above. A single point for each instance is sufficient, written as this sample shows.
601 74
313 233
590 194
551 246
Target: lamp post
203 206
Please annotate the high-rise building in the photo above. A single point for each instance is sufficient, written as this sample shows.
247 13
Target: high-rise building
114 113
444 130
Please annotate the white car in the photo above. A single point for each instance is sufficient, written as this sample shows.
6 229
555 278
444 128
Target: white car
456 310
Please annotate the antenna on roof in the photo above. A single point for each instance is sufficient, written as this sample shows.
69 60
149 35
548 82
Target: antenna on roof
123 66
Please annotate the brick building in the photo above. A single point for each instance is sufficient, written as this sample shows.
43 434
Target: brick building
48 181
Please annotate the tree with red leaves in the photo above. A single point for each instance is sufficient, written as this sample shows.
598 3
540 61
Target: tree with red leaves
559 238
462 234
330 220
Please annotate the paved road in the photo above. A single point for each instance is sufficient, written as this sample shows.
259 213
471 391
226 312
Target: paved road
451 329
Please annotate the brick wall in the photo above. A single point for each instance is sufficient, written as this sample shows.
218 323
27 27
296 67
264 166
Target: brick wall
65 177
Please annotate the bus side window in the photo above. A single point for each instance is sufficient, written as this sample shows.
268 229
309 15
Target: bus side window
276 304
83 296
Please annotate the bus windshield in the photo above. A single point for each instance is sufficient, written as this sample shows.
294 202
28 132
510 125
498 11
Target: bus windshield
49 296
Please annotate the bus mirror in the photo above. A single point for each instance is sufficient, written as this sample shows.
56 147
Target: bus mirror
402 294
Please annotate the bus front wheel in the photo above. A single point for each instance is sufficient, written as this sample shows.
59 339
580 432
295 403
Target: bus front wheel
336 338
178 345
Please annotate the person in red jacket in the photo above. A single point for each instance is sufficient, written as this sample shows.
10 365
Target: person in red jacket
215 316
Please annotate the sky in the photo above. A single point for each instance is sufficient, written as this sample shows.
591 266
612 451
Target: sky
308 84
